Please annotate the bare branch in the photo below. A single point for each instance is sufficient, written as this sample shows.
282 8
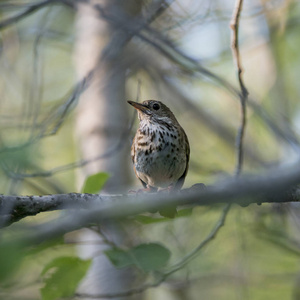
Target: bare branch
118 41
169 50
31 9
274 186
209 120
77 164
244 95
57 117
234 25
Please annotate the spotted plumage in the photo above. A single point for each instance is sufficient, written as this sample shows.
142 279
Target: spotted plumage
160 150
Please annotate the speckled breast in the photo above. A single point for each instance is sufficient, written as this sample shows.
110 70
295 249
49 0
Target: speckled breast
160 158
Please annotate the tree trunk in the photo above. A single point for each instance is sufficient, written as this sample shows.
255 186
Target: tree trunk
101 120
102 109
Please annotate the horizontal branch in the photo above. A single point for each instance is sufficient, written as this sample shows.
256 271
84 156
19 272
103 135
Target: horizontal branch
273 186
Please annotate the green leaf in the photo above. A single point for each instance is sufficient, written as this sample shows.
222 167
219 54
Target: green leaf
11 256
150 257
168 212
46 245
62 276
147 257
119 257
185 212
94 183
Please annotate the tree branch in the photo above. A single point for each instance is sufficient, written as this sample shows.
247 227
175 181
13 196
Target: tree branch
162 44
274 186
31 9
244 93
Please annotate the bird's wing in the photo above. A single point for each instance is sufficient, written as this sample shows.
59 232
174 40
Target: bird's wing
180 181
133 150
133 160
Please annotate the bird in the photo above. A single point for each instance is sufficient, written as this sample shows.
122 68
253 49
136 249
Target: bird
160 150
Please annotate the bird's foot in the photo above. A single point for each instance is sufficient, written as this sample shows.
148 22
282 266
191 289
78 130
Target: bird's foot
168 190
141 191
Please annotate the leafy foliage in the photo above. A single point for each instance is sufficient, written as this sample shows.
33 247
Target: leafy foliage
147 257
62 276
35 92
169 212
10 258
94 183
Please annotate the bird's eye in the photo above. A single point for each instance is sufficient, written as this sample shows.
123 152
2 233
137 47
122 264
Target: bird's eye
156 106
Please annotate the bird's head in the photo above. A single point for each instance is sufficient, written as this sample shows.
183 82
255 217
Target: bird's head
153 110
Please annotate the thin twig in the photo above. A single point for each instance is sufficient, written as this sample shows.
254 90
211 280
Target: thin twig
162 44
206 118
117 43
185 260
32 107
63 110
57 117
104 238
31 9
234 25
163 276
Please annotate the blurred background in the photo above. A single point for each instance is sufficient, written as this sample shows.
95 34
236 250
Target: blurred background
67 69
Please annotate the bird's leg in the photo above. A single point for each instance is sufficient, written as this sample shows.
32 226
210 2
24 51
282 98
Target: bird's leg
168 189
148 189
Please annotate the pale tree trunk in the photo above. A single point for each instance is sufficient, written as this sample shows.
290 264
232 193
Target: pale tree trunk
101 120
102 111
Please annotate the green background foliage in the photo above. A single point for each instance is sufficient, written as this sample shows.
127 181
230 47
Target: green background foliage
64 278
256 254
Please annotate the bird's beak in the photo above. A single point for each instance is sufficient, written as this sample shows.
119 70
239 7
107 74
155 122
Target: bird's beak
141 107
